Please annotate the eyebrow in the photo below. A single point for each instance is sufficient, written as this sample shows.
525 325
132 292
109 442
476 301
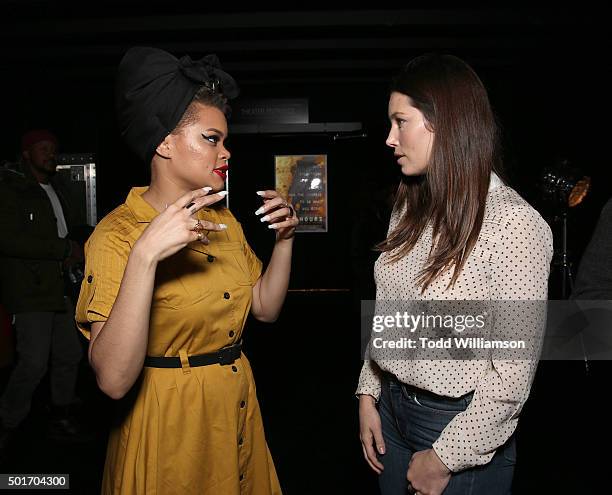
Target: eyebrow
395 114
217 131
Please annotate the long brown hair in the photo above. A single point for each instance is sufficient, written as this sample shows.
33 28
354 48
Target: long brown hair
452 193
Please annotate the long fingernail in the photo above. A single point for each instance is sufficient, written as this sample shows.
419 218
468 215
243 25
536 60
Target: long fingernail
261 193
207 189
272 226
260 211
222 226
222 193
264 219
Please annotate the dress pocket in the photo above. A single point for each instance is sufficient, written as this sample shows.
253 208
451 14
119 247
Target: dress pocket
232 261
181 280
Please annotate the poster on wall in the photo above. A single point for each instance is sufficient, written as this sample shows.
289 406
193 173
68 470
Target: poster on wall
302 179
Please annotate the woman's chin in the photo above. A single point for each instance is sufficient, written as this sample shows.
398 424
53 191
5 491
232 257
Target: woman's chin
408 170
411 170
215 183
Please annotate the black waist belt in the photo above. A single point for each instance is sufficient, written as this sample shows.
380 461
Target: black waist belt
226 355
410 389
426 393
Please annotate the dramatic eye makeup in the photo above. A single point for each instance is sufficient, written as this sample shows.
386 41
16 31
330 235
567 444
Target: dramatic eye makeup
213 138
213 135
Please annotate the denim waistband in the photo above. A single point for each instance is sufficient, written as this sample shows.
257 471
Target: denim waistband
420 393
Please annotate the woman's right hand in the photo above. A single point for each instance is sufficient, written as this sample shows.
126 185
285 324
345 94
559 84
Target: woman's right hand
370 432
173 228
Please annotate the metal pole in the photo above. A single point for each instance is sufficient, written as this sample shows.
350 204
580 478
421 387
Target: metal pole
564 265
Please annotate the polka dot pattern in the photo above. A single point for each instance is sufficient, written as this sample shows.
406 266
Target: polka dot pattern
510 262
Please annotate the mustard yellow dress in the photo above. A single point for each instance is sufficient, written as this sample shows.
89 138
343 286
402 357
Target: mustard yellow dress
189 430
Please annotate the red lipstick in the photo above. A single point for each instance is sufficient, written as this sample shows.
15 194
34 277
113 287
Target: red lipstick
221 171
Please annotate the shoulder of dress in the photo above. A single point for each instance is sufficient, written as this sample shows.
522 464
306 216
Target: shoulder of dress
120 217
119 226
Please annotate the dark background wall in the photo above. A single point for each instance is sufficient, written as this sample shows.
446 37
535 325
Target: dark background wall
547 74
546 70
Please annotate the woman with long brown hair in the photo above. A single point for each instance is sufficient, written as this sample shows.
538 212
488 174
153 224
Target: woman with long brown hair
457 232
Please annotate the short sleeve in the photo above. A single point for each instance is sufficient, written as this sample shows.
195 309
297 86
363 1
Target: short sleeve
106 256
253 262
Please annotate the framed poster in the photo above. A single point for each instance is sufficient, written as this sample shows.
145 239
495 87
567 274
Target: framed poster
302 179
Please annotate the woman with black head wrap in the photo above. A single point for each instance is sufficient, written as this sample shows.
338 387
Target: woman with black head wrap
169 282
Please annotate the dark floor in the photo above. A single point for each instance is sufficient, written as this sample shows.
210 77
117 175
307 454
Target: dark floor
306 366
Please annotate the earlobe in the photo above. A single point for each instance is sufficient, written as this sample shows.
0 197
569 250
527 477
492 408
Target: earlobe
164 149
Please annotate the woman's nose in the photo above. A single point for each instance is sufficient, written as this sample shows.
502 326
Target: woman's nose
225 154
391 139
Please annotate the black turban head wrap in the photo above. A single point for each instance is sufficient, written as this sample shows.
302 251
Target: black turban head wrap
154 89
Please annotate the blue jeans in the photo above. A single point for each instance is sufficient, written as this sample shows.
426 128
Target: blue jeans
411 421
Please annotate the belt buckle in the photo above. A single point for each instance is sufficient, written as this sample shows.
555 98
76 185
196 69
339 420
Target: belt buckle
225 356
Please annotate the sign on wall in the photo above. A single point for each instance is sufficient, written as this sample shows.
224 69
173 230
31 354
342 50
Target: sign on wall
303 180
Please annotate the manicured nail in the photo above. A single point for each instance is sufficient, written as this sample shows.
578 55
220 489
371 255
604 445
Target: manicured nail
381 450
264 219
207 189
272 226
261 193
222 193
260 211
222 226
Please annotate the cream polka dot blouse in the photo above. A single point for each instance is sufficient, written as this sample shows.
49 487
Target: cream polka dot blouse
511 261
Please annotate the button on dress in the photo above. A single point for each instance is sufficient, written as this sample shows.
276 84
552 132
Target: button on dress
188 430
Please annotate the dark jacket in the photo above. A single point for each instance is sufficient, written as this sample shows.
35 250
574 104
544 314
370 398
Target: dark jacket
594 279
31 252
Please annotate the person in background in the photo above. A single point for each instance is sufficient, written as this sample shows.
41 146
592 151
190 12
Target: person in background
594 279
593 282
457 232
34 251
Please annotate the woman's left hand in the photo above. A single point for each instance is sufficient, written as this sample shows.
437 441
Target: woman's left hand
279 214
427 474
